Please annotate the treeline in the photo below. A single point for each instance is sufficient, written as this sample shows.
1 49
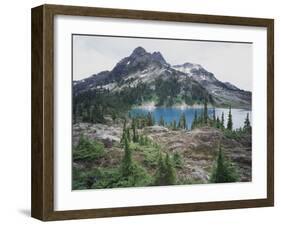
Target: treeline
203 118
93 105
219 122
171 91
199 120
143 120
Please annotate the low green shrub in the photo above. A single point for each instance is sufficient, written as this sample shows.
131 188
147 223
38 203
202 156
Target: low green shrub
177 160
88 149
84 179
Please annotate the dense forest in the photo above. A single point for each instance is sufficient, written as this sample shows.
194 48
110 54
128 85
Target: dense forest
93 105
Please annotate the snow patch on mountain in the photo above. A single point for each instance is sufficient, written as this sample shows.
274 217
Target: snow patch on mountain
186 67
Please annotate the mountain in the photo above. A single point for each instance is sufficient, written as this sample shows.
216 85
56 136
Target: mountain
223 93
139 64
151 74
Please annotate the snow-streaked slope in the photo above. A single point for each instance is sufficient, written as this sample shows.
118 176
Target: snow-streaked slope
144 67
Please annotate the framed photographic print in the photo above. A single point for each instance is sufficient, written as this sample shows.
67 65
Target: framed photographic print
141 112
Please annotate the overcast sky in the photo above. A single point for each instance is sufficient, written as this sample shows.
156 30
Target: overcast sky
230 62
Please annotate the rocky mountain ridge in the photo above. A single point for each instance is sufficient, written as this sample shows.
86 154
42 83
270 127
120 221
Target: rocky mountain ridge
142 67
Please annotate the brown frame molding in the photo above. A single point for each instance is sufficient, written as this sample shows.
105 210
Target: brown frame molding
42 203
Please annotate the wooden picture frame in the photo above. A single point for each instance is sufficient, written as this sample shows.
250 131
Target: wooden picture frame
43 112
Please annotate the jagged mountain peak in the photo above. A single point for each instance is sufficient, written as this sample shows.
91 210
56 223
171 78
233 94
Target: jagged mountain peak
139 51
139 60
159 57
197 72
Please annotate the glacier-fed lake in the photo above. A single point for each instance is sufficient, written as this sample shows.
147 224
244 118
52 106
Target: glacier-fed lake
170 114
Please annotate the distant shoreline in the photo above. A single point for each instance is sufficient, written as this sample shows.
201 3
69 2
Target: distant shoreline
152 105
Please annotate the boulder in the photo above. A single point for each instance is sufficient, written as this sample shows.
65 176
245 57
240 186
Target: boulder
156 129
108 135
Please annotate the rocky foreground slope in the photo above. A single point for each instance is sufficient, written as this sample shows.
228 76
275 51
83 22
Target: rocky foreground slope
197 148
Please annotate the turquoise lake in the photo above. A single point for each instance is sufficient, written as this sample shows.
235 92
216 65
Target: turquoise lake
173 113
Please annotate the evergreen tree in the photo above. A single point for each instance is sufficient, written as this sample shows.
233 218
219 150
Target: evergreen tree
161 121
205 113
170 171
222 120
171 124
141 140
76 110
128 135
137 123
165 174
127 163
124 132
218 123
195 116
146 140
223 171
174 125
160 177
113 116
182 122
177 160
200 120
149 119
135 135
247 124
194 122
153 120
229 121
214 116
186 96
142 123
